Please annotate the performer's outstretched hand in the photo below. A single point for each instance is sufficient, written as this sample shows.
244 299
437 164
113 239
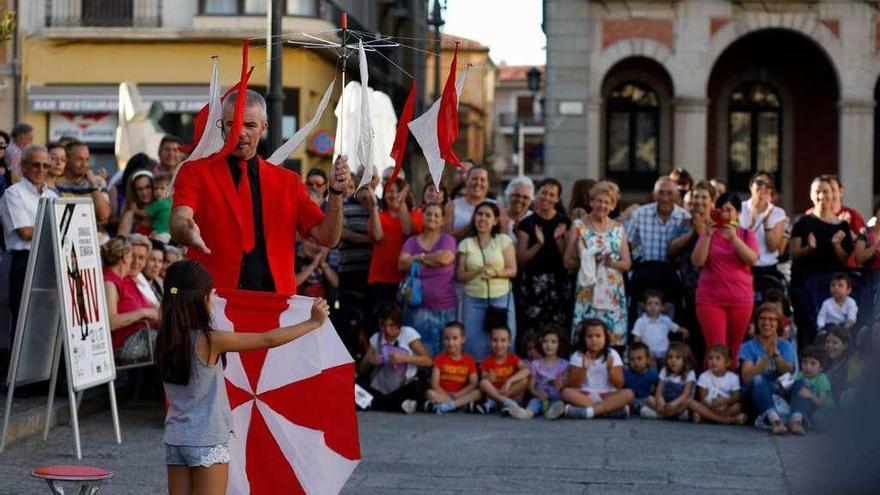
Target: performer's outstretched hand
339 174
320 311
195 237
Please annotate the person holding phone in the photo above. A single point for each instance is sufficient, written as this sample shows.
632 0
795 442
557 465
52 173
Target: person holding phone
725 253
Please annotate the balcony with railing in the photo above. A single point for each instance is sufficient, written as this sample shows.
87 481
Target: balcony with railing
506 119
103 13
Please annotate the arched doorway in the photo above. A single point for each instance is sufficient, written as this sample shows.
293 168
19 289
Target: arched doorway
636 123
773 98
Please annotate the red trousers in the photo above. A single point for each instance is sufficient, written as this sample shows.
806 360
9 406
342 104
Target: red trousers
724 324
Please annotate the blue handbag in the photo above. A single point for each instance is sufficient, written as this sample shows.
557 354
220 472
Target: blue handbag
410 292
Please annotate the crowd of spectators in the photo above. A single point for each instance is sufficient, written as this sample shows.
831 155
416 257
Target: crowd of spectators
693 306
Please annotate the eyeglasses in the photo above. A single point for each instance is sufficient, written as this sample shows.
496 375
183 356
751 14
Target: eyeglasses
520 196
314 183
44 165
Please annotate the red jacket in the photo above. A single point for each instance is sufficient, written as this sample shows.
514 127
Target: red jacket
208 189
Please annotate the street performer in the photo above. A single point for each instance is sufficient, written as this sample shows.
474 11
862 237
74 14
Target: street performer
240 214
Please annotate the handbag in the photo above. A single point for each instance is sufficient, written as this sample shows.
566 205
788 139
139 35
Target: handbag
410 292
495 317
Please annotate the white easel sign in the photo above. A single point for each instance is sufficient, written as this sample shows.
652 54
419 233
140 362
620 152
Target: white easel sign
63 308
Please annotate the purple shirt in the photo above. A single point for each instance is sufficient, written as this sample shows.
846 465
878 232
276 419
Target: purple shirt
438 290
545 374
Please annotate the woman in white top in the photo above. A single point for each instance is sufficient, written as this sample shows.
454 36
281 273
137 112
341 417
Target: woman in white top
767 221
460 211
518 196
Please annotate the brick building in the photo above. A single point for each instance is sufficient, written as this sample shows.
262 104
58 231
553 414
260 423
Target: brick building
719 87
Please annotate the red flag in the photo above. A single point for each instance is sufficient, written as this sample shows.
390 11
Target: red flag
201 118
447 118
402 136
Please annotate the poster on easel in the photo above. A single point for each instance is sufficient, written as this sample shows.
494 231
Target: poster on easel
63 309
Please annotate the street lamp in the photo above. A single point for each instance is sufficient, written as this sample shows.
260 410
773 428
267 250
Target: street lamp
437 21
533 83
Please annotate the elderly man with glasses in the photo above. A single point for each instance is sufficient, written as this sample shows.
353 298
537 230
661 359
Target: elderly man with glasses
19 212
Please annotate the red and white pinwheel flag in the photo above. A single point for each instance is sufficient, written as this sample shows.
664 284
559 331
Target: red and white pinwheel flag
292 406
440 119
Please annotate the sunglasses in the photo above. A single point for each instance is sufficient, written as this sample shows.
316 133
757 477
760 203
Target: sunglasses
315 183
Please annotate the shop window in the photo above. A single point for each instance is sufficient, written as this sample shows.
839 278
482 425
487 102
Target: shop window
755 130
632 132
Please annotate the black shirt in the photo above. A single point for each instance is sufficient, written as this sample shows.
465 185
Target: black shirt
255 273
823 257
548 259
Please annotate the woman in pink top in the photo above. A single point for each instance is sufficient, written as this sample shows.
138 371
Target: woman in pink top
129 311
725 253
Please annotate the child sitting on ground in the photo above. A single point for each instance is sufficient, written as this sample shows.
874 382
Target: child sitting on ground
676 385
504 377
839 309
653 327
640 376
454 377
388 369
718 391
547 376
595 375
810 392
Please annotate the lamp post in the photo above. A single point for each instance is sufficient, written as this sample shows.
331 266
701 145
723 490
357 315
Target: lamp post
437 21
275 93
533 83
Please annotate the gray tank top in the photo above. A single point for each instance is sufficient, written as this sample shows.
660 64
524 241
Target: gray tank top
463 213
198 413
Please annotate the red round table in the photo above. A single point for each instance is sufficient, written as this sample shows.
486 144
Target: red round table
88 479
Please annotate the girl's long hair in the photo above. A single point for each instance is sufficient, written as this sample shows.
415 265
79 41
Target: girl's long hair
580 343
496 229
184 309
552 329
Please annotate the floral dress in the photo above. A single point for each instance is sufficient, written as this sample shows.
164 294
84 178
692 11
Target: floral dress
606 299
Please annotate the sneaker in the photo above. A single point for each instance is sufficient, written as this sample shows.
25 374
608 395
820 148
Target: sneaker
761 422
429 406
648 413
485 407
409 406
695 417
518 412
684 416
555 411
797 428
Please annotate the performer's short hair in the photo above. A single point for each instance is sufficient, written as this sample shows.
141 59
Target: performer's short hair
253 99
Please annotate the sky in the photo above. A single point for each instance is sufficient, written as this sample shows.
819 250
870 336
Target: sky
510 28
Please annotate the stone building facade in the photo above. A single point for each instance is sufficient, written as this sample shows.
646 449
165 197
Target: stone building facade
721 88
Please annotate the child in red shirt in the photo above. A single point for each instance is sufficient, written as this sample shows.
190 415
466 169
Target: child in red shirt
454 378
504 377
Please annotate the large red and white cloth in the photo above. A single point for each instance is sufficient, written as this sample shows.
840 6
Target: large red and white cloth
292 406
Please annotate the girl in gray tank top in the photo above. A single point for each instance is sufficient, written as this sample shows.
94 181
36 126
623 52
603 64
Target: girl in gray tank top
199 422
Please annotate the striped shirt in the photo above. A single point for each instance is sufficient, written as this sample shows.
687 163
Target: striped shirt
649 236
354 256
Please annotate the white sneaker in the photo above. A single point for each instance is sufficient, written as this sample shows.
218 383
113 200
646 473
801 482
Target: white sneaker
519 413
684 416
648 413
555 411
408 406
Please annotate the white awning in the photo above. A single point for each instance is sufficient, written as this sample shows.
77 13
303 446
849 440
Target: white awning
105 98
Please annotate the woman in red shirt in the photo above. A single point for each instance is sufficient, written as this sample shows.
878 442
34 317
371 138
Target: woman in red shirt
129 311
387 230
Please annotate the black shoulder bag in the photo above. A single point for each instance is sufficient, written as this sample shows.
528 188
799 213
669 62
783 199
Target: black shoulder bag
495 317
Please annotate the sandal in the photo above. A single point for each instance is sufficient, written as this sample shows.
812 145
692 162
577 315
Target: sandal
740 419
779 428
797 428
695 417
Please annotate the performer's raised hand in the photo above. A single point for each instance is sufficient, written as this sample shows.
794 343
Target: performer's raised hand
339 175
195 237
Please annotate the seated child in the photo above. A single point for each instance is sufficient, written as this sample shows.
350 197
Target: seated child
454 378
595 375
811 390
718 391
388 369
839 309
639 377
676 385
159 210
653 327
504 376
547 376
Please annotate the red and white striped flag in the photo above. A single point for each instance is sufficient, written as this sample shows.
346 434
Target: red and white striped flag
292 406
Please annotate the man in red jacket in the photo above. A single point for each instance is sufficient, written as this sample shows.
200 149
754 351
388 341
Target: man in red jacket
240 215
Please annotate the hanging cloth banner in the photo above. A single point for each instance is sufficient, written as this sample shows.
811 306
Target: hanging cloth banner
300 135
